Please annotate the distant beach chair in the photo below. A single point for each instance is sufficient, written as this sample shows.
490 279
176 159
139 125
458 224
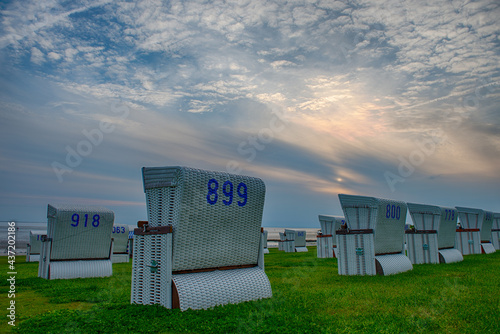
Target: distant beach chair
281 242
120 243
266 250
326 240
33 248
373 243
78 243
495 231
433 239
203 245
299 240
475 235
289 242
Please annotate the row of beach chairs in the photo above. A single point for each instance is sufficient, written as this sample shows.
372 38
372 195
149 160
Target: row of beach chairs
371 238
203 243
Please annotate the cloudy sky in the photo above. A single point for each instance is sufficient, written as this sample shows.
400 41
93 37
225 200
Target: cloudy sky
395 99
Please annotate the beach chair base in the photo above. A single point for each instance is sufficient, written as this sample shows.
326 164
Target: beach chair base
301 249
450 255
120 258
266 251
79 269
422 247
468 241
392 264
289 246
356 254
208 289
487 248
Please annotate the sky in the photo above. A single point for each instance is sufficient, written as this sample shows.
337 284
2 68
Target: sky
393 99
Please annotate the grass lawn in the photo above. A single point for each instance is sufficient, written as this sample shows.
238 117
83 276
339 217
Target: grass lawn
308 297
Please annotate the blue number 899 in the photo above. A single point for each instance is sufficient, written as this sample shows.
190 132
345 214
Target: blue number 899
227 191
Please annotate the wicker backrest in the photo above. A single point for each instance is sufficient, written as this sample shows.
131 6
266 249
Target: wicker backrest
476 218
386 217
425 217
120 236
216 216
330 224
36 241
432 217
300 237
79 232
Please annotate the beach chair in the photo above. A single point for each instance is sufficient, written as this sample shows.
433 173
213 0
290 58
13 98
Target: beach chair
203 244
289 242
373 242
121 243
475 233
433 239
326 240
266 251
33 248
495 231
299 240
281 242
78 243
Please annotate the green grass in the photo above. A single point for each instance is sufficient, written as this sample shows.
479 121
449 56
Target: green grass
308 297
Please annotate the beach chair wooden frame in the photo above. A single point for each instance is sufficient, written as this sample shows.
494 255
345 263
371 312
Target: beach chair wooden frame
299 240
475 233
433 239
203 244
373 243
326 242
121 244
35 245
495 231
78 243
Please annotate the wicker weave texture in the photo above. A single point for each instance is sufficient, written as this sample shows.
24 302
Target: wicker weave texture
477 218
422 247
80 269
386 217
208 232
220 287
393 263
487 248
425 217
450 255
447 228
468 242
79 232
355 254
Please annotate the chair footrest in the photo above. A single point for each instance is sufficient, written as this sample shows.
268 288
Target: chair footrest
209 289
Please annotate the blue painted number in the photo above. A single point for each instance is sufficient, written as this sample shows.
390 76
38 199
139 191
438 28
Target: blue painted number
227 191
75 218
393 211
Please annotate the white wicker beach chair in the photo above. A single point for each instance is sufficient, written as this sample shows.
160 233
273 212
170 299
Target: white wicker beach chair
289 242
495 231
373 243
326 240
265 233
299 240
433 240
203 245
120 243
281 245
475 234
78 243
33 248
